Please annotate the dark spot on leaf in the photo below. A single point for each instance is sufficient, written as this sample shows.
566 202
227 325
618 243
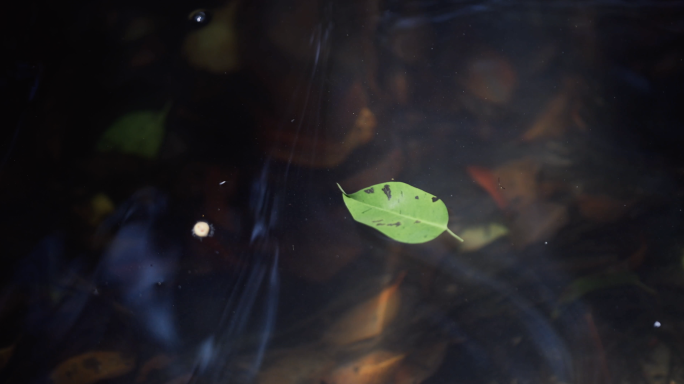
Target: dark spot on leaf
369 190
434 199
416 197
376 221
417 221
387 191
402 193
379 224
366 210
395 224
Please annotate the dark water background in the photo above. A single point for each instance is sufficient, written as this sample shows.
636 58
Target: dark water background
552 130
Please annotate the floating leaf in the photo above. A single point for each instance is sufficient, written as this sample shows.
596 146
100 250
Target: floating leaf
139 133
400 211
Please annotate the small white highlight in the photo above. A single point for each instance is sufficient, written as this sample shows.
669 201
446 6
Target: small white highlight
202 229
546 242
221 183
656 324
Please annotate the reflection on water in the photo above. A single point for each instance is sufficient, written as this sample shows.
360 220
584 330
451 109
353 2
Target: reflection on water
551 131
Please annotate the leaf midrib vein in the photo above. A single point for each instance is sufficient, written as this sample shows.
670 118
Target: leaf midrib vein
399 214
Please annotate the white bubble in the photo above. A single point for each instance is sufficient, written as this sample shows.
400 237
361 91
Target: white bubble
656 324
202 229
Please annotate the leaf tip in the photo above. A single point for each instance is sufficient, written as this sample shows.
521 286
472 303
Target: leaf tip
340 187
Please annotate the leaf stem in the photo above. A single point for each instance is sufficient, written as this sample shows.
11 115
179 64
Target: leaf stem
339 186
452 234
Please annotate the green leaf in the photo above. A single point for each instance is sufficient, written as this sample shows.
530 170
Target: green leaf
138 133
482 235
400 211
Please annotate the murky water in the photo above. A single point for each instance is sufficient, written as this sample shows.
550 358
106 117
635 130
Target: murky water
170 209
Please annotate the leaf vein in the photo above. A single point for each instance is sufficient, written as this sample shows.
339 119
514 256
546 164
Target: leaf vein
398 214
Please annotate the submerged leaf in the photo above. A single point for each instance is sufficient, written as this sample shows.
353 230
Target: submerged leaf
400 211
374 368
588 284
292 366
481 236
537 222
92 367
5 355
552 122
602 209
156 363
519 179
138 133
584 285
214 48
485 179
368 319
421 364
490 77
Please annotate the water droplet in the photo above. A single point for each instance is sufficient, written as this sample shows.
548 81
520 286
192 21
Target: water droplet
199 17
